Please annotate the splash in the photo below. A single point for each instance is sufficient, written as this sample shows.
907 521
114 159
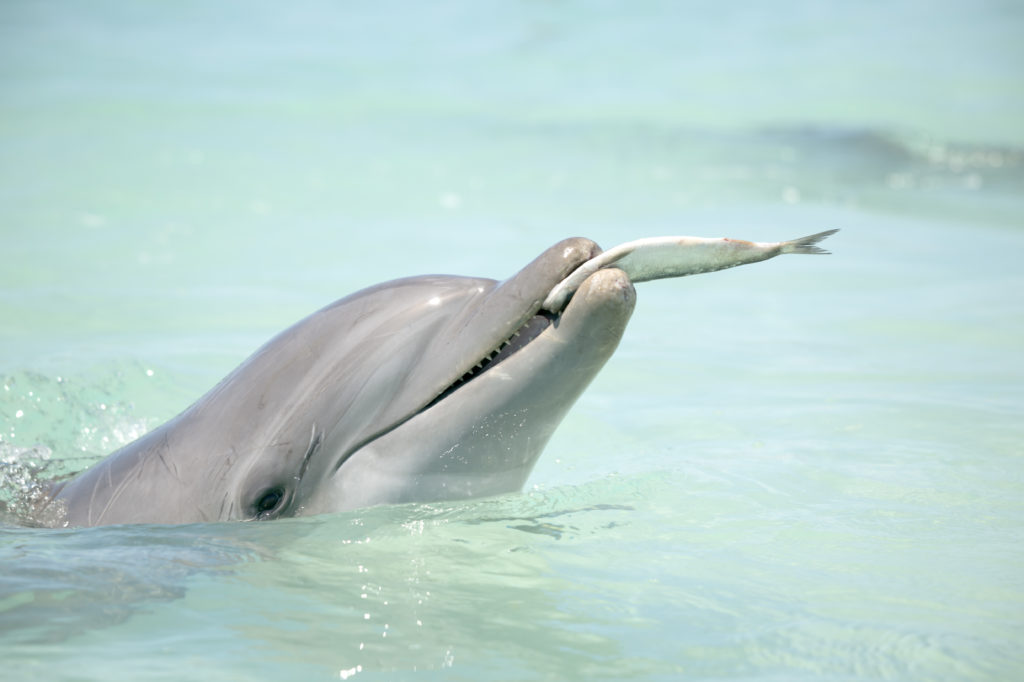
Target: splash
53 426
25 482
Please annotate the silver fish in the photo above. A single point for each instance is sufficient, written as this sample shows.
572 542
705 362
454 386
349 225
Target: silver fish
662 257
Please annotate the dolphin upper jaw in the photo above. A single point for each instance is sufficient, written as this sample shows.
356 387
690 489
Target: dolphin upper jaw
484 437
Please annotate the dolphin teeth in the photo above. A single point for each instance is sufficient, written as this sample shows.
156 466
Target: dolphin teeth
525 334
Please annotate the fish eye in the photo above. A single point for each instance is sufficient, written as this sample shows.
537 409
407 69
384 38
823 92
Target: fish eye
269 501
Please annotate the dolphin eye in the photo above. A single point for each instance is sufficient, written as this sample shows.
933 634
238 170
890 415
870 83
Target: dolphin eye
269 501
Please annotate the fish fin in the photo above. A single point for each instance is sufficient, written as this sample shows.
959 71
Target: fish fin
807 244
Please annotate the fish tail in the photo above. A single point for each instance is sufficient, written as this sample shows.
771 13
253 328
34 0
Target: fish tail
807 244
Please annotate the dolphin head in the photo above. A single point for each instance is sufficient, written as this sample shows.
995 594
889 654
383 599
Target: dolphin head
421 389
464 407
482 434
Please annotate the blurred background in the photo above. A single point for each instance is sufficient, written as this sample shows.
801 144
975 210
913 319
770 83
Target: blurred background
186 180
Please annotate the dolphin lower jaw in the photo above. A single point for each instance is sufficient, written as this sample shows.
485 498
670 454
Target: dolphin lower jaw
483 435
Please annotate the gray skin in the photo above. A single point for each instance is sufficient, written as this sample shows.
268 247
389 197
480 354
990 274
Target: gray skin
352 406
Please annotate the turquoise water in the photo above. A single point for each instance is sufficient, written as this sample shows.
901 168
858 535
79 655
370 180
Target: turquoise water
809 468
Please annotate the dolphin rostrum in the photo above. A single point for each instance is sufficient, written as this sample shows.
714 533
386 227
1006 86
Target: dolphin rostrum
420 389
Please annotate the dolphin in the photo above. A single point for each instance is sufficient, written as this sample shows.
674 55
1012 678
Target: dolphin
421 389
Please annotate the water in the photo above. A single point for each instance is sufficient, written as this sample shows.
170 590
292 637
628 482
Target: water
804 469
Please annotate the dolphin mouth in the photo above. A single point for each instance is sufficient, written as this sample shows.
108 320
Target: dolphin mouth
535 325
520 339
541 320
483 433
510 313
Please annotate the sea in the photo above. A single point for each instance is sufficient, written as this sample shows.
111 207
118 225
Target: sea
810 468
